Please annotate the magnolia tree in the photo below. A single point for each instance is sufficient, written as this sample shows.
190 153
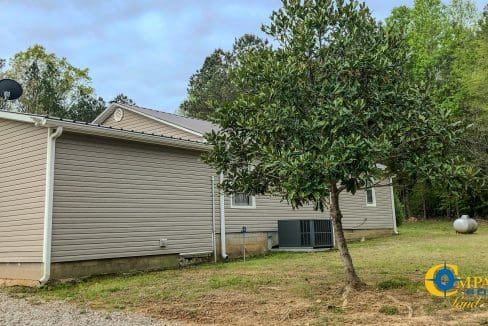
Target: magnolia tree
324 107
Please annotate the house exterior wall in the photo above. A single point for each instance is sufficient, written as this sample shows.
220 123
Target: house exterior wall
357 215
269 209
265 216
115 198
137 122
23 150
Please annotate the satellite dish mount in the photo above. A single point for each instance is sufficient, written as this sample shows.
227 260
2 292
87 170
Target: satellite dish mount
10 90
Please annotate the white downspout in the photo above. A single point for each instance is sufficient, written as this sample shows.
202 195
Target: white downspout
223 250
393 211
48 203
214 246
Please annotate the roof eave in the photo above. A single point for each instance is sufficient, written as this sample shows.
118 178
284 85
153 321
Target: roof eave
91 129
127 135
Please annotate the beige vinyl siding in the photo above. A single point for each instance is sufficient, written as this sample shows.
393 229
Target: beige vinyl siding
114 198
137 122
265 216
359 216
270 209
22 184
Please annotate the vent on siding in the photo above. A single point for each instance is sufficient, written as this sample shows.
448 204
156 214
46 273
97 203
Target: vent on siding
118 114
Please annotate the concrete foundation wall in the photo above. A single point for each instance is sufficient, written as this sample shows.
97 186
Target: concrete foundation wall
26 274
257 243
79 269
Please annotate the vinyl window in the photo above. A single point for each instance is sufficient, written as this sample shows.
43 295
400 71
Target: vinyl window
242 200
370 194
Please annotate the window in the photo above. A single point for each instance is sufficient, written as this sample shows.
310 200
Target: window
242 200
370 195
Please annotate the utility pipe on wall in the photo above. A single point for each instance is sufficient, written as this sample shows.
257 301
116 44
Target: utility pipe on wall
223 250
48 203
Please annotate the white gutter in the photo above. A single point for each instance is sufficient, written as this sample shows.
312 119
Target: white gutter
48 203
223 250
393 211
126 134
96 130
16 116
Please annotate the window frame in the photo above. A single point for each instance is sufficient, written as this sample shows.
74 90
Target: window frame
373 193
252 206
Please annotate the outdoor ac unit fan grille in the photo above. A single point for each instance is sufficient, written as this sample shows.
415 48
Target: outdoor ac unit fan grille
314 233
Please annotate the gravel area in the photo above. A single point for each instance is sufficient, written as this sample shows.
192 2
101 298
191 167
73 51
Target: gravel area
14 311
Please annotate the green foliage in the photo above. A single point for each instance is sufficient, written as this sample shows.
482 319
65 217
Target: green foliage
472 67
86 108
399 211
123 99
324 107
396 283
50 83
211 86
52 86
449 56
435 33
389 310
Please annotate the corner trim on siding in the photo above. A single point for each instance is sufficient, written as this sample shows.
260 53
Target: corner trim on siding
393 211
48 203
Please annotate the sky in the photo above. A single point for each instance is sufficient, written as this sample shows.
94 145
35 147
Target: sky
146 49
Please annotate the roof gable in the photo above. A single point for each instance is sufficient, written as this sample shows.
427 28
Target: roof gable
134 121
194 126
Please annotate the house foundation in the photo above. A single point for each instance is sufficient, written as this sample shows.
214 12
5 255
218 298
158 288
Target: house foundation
258 243
85 268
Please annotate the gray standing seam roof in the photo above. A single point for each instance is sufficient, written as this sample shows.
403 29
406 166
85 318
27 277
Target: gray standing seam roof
200 126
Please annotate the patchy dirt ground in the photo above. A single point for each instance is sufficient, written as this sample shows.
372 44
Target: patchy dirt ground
271 306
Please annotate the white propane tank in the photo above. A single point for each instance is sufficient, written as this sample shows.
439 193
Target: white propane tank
465 224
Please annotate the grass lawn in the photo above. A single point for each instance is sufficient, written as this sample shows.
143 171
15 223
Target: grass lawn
299 288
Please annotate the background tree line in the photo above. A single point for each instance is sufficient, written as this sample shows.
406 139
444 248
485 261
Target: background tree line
448 45
54 87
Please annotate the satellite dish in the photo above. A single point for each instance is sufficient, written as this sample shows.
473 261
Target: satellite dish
10 89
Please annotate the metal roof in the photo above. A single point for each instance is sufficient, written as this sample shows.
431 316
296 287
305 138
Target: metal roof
195 125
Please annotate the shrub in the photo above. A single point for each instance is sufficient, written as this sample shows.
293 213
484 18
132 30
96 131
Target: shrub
389 310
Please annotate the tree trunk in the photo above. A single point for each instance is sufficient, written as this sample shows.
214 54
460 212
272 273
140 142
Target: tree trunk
352 278
424 208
